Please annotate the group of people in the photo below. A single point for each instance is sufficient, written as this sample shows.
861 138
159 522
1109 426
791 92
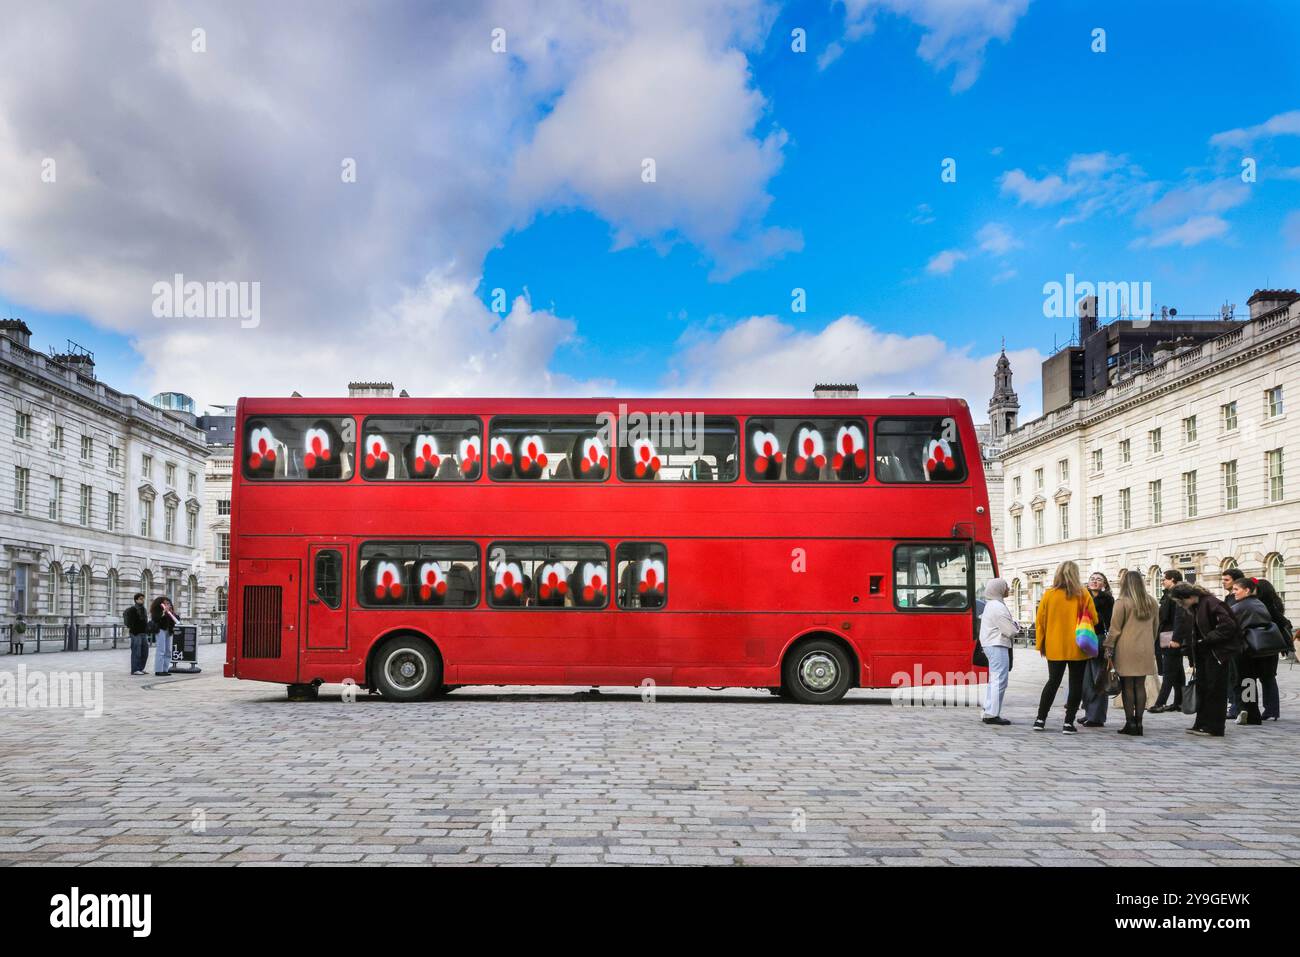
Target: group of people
1101 642
154 624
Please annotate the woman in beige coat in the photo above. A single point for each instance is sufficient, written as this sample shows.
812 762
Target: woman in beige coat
1130 645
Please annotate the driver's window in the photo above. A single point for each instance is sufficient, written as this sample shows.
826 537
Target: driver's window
932 577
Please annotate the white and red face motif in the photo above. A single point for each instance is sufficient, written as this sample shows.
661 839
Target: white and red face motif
595 458
424 455
809 455
595 582
508 579
938 457
645 460
767 454
376 452
316 448
261 450
650 577
388 581
500 457
850 450
470 456
432 581
553 581
532 455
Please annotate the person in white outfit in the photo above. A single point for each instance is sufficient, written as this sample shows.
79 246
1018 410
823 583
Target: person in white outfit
997 628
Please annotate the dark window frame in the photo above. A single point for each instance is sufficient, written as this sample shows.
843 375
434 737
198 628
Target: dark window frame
482 437
307 418
337 555
370 606
969 587
962 479
534 542
614 568
713 483
516 480
867 438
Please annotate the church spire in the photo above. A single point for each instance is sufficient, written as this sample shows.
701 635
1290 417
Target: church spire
1004 407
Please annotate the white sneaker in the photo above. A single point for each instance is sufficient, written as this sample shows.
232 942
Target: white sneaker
1241 717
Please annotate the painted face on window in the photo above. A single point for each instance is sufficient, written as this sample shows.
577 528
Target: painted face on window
939 461
501 459
263 450
530 456
384 580
850 458
645 460
593 462
807 452
553 583
508 583
471 456
432 587
321 448
650 577
423 457
374 461
767 454
594 582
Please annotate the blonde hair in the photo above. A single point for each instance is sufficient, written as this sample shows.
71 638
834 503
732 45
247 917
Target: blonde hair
1067 579
1134 588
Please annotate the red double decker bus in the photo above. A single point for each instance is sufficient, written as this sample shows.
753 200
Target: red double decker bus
414 546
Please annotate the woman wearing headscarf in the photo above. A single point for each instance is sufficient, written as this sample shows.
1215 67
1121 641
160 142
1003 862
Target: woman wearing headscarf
1131 646
1063 610
997 628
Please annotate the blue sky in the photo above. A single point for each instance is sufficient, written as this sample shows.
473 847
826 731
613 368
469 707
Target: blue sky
1067 161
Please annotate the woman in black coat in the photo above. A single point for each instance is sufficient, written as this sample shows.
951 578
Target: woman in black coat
1216 640
1169 661
1266 608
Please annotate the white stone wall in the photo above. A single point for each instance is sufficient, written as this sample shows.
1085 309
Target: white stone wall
54 395
216 488
1238 367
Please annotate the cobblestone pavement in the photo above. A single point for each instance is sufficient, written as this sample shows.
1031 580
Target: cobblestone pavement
191 770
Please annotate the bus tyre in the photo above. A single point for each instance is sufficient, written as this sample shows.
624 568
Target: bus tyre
817 672
407 669
307 692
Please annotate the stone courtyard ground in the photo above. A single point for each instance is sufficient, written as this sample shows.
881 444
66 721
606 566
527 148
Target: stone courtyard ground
207 770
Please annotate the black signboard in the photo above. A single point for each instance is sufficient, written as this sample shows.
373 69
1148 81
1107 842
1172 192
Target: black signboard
185 647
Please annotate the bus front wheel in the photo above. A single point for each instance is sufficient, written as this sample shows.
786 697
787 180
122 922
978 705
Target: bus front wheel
817 672
407 669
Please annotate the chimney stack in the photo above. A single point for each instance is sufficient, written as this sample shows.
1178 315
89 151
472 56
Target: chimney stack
835 390
1264 301
16 330
370 390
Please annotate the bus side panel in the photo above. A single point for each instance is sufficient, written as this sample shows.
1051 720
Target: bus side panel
266 603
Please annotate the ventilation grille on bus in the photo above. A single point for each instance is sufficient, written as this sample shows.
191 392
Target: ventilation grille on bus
261 628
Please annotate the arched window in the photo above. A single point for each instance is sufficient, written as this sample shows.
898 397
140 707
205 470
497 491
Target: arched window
84 579
221 600
191 597
1227 564
146 586
1017 599
1275 572
113 610
54 590
1155 579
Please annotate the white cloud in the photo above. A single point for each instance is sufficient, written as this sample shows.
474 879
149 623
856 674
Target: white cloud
1291 228
1035 192
1283 124
942 263
997 239
956 33
1192 232
763 356
1189 215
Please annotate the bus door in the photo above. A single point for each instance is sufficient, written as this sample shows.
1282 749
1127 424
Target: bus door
327 611
267 605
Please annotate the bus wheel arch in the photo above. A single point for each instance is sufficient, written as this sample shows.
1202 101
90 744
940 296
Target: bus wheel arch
405 665
818 667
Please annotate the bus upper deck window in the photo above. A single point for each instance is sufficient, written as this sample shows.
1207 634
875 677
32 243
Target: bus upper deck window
805 450
422 449
919 449
566 448
678 447
298 447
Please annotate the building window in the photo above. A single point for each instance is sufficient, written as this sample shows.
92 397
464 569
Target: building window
170 473
1063 510
1019 531
1096 460
87 448
1153 441
1038 526
1228 473
1273 402
114 522
1228 417
1276 483
1125 452
56 499
221 599
146 516
1063 471
83 591
190 482
56 438
1189 429
223 506
1125 509
1096 515
52 593
1189 495
1157 507
21 590
114 457
223 546
22 425
1275 572
1038 479
83 508
1015 487
146 466
22 489
169 523
191 527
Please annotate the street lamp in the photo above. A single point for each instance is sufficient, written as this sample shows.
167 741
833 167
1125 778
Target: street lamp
72 576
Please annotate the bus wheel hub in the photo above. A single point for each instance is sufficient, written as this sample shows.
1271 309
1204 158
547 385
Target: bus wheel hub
818 672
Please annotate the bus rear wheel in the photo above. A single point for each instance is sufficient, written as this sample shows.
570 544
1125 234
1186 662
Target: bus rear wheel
817 672
407 669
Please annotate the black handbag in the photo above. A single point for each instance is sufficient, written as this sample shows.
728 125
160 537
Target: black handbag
1190 696
1262 642
978 658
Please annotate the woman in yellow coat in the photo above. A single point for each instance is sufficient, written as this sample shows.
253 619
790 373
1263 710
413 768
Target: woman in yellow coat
1055 625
